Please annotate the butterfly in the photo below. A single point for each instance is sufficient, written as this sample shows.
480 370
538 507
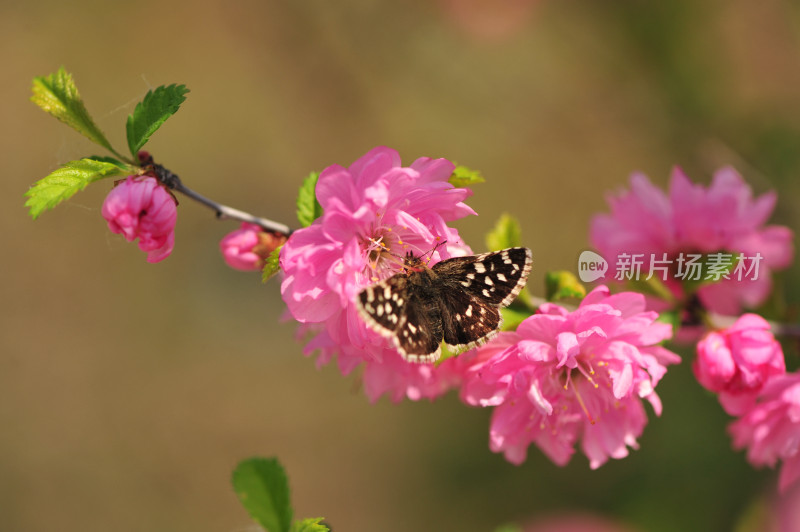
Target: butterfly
458 300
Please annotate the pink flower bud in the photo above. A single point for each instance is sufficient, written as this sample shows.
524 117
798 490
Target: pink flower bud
248 247
736 362
140 207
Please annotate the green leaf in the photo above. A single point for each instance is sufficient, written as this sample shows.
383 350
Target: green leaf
513 316
158 105
66 181
308 208
671 317
58 96
312 524
263 489
563 285
506 234
447 352
272 266
464 177
111 160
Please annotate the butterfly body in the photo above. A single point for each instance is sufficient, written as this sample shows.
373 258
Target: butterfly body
457 301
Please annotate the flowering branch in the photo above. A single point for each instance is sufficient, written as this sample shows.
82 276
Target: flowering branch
173 182
225 212
559 376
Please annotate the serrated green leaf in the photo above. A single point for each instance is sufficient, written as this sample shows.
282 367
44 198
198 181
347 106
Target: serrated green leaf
312 524
563 285
308 208
57 95
464 177
505 234
272 266
66 181
158 105
263 489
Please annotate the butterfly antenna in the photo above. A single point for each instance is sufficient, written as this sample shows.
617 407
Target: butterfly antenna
433 250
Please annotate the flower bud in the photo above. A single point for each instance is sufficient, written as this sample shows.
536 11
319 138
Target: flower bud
140 207
248 247
736 362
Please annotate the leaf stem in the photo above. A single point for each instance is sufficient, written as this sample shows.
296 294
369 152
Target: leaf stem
119 156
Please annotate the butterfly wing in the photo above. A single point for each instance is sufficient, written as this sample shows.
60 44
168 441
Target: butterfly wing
474 288
496 278
467 320
396 309
383 305
419 336
458 301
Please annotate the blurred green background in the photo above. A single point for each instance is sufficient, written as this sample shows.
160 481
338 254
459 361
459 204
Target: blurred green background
129 391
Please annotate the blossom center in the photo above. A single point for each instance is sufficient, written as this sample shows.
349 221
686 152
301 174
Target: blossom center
382 262
585 371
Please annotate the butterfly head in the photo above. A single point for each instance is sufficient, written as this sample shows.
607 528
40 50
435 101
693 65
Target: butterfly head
412 263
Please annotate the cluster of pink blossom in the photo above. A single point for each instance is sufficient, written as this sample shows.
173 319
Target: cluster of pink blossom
692 219
569 376
374 211
742 363
562 378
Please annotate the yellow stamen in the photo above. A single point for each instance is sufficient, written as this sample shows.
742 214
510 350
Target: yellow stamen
583 406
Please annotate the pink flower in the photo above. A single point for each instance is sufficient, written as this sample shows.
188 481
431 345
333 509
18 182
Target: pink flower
373 213
770 430
398 379
693 219
140 207
786 509
248 247
736 362
569 376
